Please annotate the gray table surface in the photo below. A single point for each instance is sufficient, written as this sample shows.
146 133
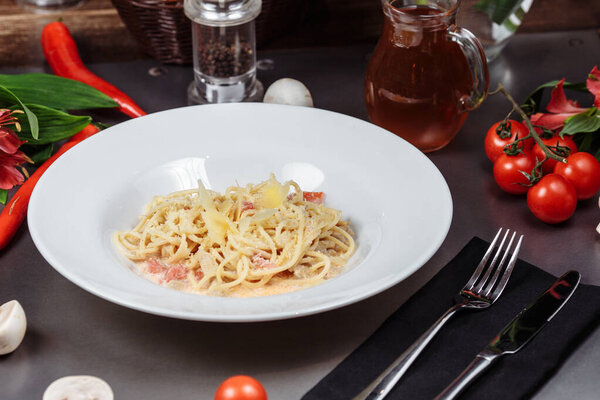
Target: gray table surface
148 357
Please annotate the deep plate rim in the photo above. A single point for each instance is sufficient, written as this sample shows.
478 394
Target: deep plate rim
39 241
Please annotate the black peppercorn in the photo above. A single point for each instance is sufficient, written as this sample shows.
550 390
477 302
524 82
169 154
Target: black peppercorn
223 60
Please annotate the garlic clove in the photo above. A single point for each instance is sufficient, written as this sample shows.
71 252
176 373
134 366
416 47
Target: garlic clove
288 91
13 324
78 387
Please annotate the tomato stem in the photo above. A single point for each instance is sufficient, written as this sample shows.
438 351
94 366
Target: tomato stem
532 133
503 129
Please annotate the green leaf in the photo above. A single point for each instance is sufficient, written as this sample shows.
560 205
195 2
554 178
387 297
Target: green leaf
55 125
55 91
584 141
38 153
8 99
497 10
3 196
587 121
532 102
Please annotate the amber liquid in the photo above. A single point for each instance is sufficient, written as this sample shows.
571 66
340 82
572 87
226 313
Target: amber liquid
416 79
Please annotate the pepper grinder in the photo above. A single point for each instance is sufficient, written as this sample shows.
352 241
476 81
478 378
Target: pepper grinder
224 43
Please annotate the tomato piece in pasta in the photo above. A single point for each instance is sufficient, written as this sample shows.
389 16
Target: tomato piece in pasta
314 197
176 272
262 262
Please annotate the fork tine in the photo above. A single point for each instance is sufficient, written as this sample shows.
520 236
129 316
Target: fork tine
483 280
492 282
482 263
507 273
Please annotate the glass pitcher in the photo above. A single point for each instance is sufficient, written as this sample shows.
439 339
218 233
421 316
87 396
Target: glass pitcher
425 74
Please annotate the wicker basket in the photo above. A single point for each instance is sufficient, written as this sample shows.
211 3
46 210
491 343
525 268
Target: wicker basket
164 32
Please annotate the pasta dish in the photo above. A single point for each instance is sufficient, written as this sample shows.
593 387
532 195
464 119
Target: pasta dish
256 240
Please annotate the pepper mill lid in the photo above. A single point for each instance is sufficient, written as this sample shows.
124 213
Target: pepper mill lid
222 12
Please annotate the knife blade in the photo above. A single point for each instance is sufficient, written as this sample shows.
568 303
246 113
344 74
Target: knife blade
514 336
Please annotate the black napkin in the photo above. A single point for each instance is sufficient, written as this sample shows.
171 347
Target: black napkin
516 376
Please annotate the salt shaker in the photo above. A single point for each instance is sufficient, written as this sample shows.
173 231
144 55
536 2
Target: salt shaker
224 43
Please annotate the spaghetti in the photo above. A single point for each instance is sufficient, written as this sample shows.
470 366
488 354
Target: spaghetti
251 241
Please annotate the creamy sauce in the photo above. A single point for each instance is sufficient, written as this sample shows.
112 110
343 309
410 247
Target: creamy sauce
180 278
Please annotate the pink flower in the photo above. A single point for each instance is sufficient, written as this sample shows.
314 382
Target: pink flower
593 85
10 156
560 108
558 102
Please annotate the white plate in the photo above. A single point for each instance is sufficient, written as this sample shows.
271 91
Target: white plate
397 201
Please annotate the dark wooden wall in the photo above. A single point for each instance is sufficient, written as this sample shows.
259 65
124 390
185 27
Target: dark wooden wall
101 35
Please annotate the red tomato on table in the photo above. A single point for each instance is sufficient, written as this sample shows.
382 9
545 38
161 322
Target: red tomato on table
555 140
508 175
552 199
583 171
494 141
241 387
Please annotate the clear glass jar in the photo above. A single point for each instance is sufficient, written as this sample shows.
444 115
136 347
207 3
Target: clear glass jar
224 45
493 34
425 74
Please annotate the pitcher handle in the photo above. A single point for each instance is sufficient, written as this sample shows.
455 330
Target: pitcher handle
477 63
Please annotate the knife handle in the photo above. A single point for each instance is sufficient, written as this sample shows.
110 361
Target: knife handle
481 362
385 382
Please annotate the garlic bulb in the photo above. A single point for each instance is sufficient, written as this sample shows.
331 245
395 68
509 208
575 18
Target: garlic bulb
288 91
13 324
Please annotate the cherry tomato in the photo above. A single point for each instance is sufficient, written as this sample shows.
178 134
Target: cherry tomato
494 142
552 199
583 171
549 165
241 387
507 172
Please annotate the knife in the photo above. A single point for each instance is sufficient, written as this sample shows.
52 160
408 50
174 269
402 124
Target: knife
518 332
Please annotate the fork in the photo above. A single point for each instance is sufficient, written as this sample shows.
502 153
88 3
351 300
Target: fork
480 292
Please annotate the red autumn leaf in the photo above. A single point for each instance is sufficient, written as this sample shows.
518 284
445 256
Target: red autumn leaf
593 85
559 104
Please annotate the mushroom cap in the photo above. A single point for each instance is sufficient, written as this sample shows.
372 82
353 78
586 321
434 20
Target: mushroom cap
288 91
78 387
13 324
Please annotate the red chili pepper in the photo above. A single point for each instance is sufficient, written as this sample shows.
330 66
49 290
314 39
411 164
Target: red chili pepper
14 213
62 55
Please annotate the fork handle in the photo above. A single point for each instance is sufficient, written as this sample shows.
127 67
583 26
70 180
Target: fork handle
384 383
481 362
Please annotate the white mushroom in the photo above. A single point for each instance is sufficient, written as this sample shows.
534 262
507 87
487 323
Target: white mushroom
288 91
78 387
598 227
12 326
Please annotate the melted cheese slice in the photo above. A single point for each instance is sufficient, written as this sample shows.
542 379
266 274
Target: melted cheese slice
273 194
